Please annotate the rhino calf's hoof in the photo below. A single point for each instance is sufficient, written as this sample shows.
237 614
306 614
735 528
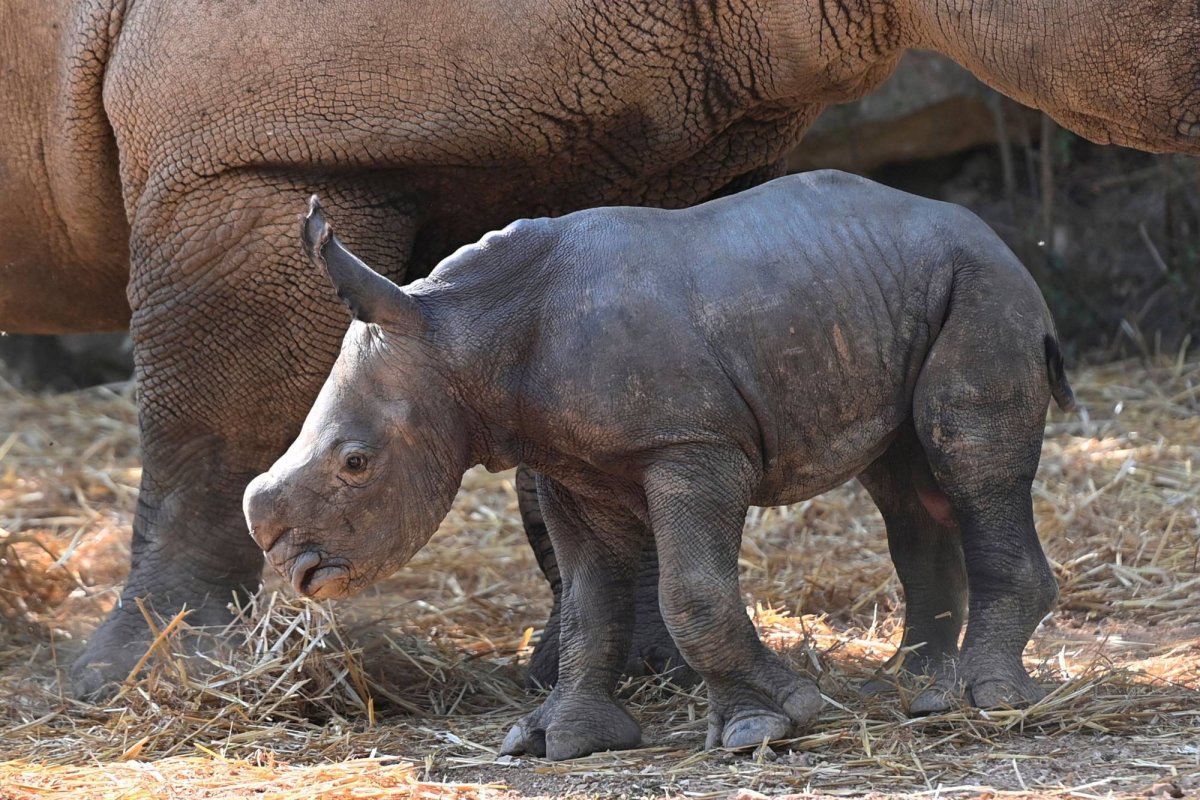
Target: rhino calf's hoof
997 687
762 716
568 728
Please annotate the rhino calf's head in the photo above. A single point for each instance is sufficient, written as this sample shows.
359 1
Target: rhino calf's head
382 451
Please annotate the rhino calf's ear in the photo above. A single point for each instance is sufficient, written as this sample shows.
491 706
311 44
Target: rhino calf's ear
370 296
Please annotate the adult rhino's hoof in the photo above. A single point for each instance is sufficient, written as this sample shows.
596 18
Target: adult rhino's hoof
526 737
96 678
1005 694
879 686
936 699
753 729
111 654
890 679
582 736
117 646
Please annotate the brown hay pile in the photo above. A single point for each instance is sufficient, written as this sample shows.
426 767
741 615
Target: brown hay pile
221 779
424 670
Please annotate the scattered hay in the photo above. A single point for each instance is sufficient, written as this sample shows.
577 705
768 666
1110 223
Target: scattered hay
221 779
425 669
69 472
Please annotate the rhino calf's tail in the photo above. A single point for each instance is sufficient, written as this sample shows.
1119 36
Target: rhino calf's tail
1059 388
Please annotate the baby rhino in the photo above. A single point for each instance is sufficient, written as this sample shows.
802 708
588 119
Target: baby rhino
665 370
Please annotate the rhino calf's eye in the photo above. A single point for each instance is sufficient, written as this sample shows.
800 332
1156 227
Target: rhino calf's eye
356 462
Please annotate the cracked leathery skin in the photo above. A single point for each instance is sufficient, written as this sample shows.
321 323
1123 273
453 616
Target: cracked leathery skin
757 350
152 156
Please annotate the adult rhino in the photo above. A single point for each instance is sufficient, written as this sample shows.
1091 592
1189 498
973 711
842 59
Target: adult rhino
152 156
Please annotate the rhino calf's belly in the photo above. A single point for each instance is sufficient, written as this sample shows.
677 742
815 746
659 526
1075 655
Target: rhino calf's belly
817 460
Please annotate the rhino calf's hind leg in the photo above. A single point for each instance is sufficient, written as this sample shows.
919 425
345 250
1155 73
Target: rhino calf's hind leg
697 506
979 410
1012 589
927 553
597 550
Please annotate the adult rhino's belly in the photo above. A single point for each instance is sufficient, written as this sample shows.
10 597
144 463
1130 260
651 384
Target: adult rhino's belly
45 290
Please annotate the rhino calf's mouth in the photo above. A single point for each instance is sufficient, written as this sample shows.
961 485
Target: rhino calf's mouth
319 578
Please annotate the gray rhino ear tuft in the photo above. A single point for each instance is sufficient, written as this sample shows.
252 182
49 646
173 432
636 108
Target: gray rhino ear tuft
370 296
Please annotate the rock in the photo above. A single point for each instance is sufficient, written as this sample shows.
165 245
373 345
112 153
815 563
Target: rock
929 108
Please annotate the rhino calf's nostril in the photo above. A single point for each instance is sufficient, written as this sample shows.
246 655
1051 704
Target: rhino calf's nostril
267 535
302 569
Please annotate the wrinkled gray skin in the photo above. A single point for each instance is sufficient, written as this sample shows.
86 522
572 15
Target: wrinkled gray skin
663 371
152 153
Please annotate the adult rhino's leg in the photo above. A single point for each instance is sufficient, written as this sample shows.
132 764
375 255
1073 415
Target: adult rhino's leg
652 651
233 335
926 549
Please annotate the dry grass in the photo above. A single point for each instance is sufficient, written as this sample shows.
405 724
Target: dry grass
202 777
413 685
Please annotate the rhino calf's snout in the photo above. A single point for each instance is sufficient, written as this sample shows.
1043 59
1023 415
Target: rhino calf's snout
306 567
260 504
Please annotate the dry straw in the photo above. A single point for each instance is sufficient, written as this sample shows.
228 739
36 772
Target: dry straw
417 681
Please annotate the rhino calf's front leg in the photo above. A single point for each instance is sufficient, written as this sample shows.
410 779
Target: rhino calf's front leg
652 650
598 549
697 504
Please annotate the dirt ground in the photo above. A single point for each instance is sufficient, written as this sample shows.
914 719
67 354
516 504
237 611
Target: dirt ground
408 690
